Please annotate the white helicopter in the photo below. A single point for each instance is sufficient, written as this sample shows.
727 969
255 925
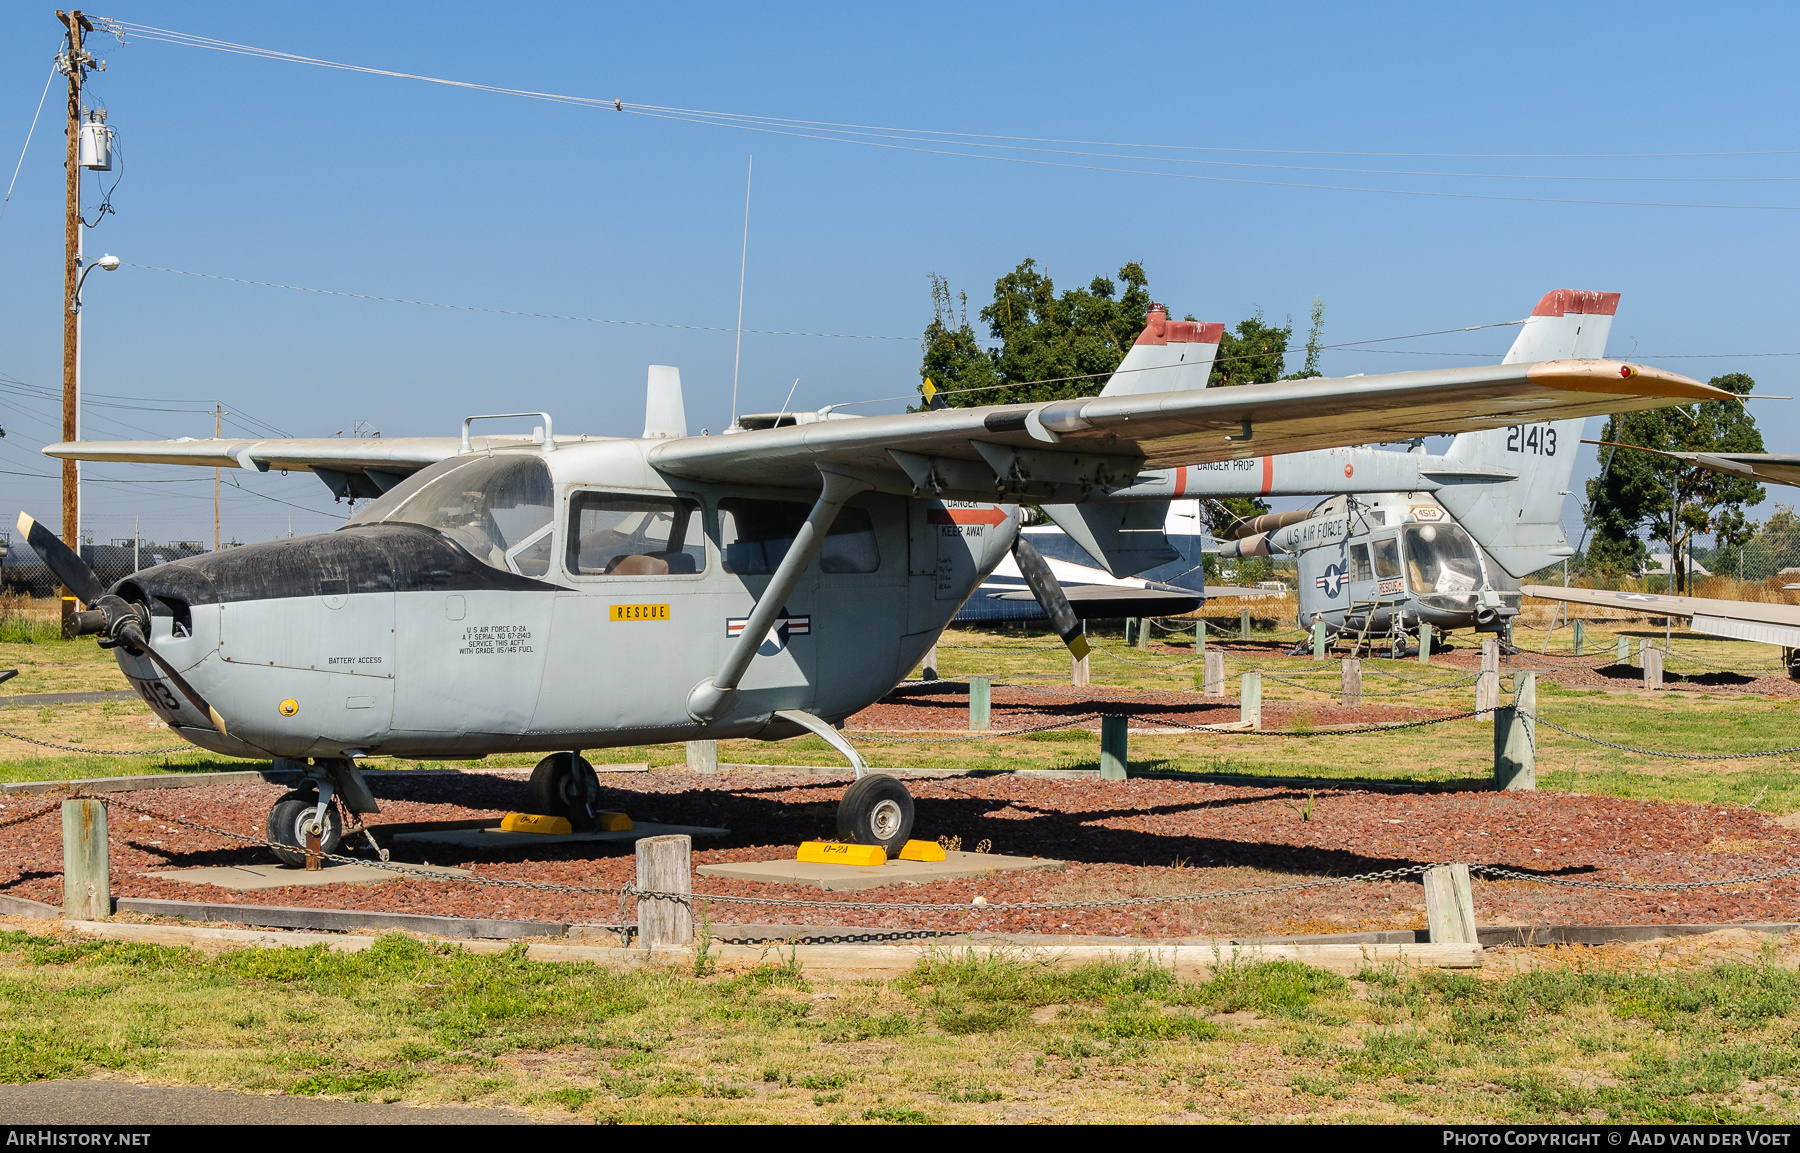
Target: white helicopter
551 593
1505 486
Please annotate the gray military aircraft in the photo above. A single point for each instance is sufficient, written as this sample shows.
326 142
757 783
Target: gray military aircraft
546 593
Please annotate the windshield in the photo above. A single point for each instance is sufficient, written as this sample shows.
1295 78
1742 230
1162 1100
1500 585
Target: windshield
496 507
1441 558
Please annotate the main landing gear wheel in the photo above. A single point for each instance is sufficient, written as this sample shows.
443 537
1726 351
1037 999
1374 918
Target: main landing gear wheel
564 785
288 825
876 810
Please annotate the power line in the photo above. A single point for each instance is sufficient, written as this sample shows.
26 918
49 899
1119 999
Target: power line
958 144
508 311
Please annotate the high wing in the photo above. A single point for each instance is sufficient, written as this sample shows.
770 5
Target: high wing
1062 451
363 467
1741 620
1056 452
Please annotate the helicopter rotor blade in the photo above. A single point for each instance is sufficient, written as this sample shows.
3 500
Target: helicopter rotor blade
1049 594
62 560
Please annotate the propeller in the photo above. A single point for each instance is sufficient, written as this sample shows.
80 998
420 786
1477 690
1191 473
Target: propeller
1049 594
122 623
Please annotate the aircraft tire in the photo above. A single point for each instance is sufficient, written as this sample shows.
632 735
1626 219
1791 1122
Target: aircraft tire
876 810
286 828
564 785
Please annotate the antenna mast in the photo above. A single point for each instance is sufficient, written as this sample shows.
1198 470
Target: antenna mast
743 263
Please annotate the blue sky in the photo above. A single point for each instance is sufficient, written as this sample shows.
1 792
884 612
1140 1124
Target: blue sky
273 171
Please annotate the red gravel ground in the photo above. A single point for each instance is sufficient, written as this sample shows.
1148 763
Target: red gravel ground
1141 837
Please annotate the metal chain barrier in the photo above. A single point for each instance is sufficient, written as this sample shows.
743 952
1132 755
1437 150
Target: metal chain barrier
1267 675
21 819
1630 886
1670 756
100 752
1145 664
1002 652
1384 728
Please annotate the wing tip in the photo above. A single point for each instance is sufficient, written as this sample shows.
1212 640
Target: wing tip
25 524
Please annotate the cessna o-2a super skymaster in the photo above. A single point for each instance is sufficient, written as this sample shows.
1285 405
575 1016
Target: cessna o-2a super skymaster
550 593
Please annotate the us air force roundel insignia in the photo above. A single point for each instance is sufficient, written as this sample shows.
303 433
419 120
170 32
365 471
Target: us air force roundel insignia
1332 580
785 626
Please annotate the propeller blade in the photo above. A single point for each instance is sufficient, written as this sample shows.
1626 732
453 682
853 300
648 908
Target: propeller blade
1049 594
72 571
62 560
187 690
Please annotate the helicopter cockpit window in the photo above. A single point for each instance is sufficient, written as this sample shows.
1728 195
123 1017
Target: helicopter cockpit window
497 507
620 534
1441 558
1387 557
1360 569
755 534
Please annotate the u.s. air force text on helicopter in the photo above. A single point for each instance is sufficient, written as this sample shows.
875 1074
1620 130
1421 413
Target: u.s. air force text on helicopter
550 593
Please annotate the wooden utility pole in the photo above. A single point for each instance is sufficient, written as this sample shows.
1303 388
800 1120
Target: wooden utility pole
218 427
75 65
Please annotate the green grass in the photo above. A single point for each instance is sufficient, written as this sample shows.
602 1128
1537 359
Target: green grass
1123 1040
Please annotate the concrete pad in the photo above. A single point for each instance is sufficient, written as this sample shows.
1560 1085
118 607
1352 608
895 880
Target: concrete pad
250 878
495 839
842 878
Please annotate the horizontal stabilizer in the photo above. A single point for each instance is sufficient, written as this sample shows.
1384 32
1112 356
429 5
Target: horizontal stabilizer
1126 538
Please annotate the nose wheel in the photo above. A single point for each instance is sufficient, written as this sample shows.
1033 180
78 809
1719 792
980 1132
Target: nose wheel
293 817
876 810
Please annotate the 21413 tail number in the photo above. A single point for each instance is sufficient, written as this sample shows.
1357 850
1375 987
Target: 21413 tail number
1538 440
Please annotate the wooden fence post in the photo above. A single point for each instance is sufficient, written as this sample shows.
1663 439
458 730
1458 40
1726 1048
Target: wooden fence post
1487 681
1352 683
1250 699
1215 673
1130 630
1449 905
1199 638
665 865
703 756
87 877
1112 748
1143 633
1580 638
1424 642
1078 671
980 703
1515 737
1318 639
1651 657
930 666
1624 657
1244 623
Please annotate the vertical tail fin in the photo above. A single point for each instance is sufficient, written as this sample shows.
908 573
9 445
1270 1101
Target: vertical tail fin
1169 356
1519 521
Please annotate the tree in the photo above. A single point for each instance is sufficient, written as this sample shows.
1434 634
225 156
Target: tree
1673 501
1050 347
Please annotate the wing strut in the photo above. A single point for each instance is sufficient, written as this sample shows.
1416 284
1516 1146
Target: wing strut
712 698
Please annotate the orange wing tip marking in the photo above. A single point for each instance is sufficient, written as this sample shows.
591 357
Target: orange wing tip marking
827 853
922 851
534 823
25 523
1617 377
1078 648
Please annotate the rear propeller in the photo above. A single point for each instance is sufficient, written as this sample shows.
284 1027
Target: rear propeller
118 621
1048 591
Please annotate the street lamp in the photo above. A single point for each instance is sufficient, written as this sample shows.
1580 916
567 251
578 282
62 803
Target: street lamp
109 262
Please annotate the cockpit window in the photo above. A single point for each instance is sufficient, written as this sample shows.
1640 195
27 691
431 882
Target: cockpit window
497 507
621 534
1387 557
1441 558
